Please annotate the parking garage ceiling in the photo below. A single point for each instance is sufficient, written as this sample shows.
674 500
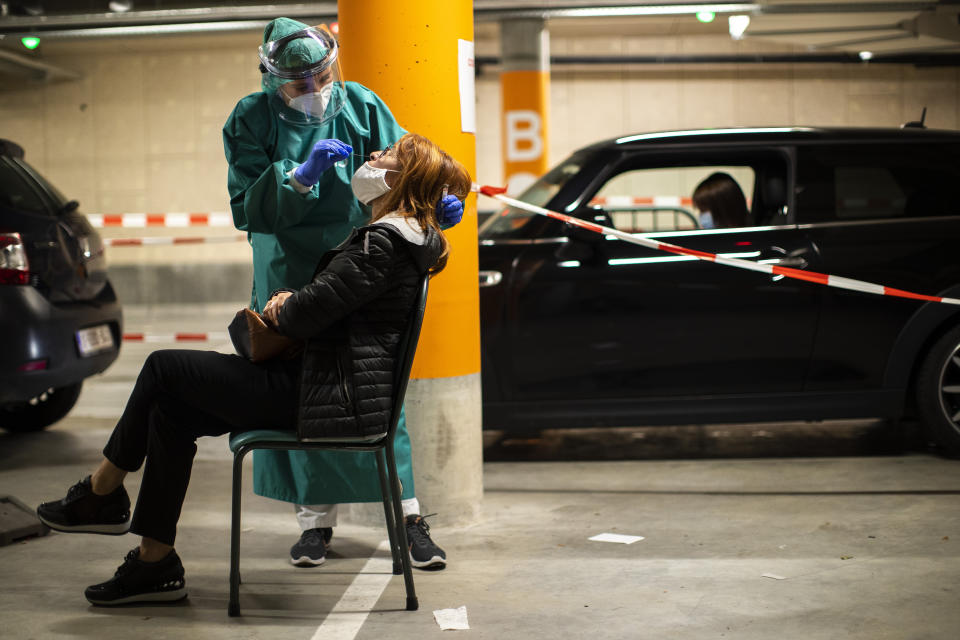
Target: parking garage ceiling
917 31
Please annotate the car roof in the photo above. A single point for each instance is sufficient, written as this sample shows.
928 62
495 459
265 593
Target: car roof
783 135
10 148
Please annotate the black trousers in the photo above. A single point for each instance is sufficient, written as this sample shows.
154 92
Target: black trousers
179 396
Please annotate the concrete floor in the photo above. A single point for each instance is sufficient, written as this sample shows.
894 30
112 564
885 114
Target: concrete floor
868 546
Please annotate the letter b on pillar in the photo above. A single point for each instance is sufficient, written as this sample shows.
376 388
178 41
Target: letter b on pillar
524 136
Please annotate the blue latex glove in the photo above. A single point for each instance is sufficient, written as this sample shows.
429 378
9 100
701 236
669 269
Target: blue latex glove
449 211
324 155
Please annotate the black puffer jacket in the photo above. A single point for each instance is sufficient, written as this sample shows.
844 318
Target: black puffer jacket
352 316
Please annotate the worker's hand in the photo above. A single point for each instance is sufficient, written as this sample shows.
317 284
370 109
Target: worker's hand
272 311
449 211
324 155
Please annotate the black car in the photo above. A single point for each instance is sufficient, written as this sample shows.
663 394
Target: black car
581 329
60 321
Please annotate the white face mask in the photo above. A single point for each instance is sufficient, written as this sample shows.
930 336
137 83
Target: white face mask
312 104
369 183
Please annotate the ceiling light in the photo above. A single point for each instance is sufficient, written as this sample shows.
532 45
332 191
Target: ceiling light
865 55
120 6
738 26
30 42
640 10
706 16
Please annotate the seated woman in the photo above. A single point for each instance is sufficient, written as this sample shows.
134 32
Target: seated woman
357 304
720 202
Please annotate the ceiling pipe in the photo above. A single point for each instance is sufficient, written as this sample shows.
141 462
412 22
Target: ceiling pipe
47 72
165 17
918 58
150 30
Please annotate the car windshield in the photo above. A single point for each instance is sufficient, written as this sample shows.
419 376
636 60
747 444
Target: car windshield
508 221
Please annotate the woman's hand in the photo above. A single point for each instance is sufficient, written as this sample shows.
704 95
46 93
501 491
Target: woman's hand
272 311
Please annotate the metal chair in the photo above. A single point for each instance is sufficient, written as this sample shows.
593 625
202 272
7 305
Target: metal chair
382 445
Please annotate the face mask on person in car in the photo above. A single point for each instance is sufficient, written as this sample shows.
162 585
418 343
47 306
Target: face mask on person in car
706 220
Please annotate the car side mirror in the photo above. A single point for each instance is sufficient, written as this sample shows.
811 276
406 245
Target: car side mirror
69 207
596 216
585 245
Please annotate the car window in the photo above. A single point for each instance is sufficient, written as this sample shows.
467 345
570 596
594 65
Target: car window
17 192
660 199
509 221
869 181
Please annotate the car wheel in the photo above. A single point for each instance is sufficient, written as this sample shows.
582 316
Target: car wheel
41 411
938 392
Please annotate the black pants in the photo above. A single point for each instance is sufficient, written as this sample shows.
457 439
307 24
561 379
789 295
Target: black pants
179 396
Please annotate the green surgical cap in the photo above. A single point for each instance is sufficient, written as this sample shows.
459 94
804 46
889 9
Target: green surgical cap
299 53
280 27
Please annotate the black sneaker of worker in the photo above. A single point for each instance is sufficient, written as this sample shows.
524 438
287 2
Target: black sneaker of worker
83 511
424 553
311 549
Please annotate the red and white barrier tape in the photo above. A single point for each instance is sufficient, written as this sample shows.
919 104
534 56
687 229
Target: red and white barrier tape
140 220
175 337
797 274
167 240
653 201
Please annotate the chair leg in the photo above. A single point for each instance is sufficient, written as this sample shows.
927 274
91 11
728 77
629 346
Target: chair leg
388 513
233 608
401 529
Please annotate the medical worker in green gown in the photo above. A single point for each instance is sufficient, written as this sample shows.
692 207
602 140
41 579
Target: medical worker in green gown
292 150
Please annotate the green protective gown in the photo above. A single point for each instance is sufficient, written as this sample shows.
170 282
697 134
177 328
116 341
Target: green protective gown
289 232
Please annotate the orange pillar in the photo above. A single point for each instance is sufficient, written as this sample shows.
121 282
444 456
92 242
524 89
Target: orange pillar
417 55
525 98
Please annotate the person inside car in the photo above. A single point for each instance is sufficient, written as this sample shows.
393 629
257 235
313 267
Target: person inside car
360 297
720 202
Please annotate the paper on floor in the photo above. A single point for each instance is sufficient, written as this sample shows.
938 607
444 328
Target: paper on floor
615 537
773 575
452 618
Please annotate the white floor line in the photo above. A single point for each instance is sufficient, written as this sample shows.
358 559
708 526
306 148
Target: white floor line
351 611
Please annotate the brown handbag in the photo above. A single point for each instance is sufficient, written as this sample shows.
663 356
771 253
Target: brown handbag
257 341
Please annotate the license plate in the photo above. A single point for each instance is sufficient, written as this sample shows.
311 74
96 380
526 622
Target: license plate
94 340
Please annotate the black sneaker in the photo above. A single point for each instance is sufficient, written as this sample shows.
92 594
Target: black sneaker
311 548
424 553
138 581
83 511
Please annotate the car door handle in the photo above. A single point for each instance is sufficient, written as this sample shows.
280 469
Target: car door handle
796 262
792 259
490 278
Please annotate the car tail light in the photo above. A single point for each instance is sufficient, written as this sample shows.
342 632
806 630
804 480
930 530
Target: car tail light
14 267
33 365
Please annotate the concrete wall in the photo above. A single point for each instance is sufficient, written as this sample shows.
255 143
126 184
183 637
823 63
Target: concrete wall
141 131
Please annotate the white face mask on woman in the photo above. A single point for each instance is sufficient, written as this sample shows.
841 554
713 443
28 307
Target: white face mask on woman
312 104
369 183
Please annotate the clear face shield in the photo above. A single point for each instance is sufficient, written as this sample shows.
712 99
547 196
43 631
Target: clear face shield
301 71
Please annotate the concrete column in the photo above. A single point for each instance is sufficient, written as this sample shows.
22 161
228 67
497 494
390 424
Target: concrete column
417 56
525 101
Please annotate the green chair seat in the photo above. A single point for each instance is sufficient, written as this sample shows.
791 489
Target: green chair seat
237 440
257 436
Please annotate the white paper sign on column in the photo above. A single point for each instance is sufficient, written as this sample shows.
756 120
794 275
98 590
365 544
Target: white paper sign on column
468 107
